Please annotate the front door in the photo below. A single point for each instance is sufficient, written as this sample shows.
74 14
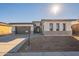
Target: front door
37 29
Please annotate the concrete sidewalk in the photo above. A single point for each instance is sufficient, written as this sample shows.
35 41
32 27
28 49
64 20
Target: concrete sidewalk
68 53
5 47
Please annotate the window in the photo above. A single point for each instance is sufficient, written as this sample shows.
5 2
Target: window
51 27
64 27
57 27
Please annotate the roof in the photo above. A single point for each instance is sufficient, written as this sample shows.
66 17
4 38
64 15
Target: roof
36 21
4 24
58 19
20 23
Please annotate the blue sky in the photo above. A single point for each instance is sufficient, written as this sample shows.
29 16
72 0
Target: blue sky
35 12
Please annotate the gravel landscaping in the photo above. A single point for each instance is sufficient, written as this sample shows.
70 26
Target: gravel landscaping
51 44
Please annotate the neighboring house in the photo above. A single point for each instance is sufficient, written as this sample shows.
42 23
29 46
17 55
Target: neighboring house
6 33
47 27
5 29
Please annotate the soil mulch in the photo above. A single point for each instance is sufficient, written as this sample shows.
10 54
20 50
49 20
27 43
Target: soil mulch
51 43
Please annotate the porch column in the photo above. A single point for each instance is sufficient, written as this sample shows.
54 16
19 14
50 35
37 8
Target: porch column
61 26
32 29
54 26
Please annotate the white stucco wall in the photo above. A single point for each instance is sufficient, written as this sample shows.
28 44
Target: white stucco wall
37 24
47 31
47 27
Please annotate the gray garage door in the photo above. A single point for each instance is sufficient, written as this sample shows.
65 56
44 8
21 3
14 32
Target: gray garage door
22 29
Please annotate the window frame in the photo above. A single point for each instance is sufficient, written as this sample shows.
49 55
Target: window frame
57 26
51 26
64 26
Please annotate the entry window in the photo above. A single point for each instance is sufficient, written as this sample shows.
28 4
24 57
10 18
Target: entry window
34 24
51 26
57 27
64 27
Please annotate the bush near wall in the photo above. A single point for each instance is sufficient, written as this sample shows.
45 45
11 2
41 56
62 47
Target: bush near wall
75 29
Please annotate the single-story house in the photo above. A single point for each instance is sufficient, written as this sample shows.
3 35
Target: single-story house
47 27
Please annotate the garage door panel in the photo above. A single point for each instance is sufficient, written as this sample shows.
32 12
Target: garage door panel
22 29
